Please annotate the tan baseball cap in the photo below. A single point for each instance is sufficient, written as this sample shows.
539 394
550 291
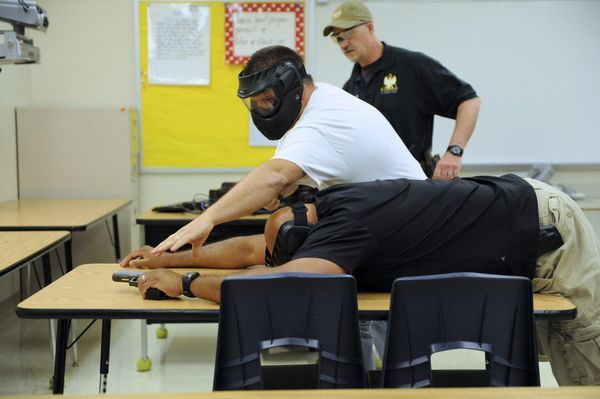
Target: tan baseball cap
348 14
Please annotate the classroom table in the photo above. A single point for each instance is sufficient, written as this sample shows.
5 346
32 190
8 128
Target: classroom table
156 226
61 214
19 248
377 393
89 292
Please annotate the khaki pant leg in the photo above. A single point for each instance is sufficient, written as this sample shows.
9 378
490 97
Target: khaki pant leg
573 271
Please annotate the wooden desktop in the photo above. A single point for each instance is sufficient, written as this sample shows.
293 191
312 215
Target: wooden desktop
61 214
19 248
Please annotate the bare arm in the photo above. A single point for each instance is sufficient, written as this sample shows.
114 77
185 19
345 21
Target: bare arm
209 286
256 190
234 253
466 118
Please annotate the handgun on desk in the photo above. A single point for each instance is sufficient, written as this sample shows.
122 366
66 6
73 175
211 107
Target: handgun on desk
132 277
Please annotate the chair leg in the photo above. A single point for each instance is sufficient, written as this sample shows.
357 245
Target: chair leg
74 347
52 328
24 279
144 363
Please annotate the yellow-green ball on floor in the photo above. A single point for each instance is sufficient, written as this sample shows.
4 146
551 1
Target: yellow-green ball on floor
161 332
143 364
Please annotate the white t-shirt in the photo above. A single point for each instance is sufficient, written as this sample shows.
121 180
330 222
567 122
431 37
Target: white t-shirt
342 139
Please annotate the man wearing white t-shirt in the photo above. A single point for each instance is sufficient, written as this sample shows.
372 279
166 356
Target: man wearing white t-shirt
339 139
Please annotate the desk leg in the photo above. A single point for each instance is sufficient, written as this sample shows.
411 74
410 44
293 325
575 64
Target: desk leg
62 332
47 271
104 355
68 268
115 220
25 280
69 254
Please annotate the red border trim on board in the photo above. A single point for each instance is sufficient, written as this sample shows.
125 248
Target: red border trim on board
232 8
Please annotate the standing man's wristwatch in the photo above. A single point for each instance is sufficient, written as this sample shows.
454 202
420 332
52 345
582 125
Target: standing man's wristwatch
186 281
455 149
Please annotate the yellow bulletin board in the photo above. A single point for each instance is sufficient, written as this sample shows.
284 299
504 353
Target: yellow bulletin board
195 128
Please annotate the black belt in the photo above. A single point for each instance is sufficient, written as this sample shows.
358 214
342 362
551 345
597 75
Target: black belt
549 239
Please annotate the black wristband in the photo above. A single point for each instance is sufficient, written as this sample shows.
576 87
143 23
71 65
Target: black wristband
186 282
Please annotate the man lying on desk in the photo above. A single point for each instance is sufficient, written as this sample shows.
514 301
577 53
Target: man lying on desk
378 231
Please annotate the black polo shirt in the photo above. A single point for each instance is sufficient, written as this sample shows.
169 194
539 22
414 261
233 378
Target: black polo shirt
379 231
409 88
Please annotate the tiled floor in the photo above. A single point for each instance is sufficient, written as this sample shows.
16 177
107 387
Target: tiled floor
183 362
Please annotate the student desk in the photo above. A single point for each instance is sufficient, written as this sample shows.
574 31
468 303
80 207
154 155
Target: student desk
88 292
18 248
159 225
61 214
390 393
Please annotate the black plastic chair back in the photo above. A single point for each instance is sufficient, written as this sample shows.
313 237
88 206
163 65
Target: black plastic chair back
314 311
488 313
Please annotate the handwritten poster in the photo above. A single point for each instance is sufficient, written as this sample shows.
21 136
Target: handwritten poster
179 44
252 26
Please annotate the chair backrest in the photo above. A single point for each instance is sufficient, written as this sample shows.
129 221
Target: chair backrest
314 311
488 313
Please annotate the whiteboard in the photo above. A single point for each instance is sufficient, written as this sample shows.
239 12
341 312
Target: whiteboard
535 65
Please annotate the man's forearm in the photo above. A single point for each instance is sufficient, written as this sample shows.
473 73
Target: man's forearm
466 119
255 191
233 253
209 286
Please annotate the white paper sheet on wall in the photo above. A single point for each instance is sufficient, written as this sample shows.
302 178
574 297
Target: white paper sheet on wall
179 44
257 139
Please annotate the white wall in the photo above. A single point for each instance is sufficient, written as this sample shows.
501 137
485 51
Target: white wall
87 55
15 90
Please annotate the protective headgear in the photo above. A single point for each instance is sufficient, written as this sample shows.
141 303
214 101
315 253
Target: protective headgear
290 236
274 97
